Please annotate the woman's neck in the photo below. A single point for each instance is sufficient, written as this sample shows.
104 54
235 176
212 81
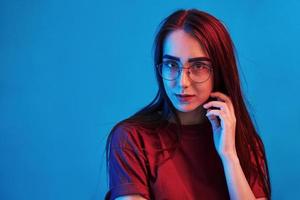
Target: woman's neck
196 116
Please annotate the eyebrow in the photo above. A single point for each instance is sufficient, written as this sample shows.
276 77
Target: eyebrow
189 60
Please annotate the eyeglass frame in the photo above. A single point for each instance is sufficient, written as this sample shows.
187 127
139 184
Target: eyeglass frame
209 66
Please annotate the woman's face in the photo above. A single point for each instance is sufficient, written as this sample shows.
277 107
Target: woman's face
181 45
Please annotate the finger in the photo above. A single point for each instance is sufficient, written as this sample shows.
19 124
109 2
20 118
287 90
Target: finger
213 105
214 120
217 113
217 104
223 98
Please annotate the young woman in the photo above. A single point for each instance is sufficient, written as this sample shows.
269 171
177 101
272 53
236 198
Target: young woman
195 140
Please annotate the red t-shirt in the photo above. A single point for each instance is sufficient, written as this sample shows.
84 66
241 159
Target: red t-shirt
195 172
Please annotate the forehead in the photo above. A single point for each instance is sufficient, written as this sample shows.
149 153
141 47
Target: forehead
183 45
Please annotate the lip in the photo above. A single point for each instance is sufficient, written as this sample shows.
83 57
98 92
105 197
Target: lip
183 98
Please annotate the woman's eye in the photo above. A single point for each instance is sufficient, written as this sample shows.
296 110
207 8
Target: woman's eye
171 64
198 66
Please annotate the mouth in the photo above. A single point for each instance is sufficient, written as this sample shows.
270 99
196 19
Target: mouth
183 98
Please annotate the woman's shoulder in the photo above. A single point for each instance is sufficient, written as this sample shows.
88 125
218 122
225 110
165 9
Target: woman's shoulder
130 134
125 127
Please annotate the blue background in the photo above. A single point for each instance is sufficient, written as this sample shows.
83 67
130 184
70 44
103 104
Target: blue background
71 69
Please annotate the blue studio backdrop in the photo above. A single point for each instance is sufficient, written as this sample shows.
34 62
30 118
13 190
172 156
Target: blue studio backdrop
69 70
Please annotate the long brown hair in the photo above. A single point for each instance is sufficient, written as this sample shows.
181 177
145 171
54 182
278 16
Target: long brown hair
215 39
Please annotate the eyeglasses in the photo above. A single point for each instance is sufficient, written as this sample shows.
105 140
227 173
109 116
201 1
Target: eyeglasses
198 72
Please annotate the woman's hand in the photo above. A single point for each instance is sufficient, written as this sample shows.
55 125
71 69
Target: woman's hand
223 122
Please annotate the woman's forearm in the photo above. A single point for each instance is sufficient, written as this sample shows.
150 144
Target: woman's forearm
238 186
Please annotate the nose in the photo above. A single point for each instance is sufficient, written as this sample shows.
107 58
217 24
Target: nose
184 80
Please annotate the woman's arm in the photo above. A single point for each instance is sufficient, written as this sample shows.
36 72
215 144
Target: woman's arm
238 186
223 122
127 165
131 197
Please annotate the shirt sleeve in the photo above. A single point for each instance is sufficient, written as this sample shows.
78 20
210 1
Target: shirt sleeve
127 164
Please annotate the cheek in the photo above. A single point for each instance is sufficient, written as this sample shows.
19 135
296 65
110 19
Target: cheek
203 91
169 85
